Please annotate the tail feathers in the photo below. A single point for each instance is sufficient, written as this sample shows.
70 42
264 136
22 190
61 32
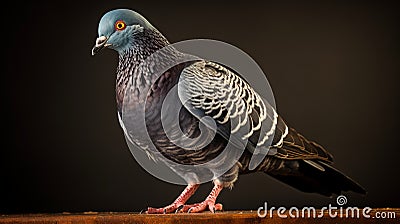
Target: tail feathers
318 177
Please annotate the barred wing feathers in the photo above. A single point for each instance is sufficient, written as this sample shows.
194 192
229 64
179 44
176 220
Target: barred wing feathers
208 88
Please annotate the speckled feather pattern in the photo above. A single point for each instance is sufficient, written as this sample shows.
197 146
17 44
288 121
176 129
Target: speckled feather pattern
215 90
235 100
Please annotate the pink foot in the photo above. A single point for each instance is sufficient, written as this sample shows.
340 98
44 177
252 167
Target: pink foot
209 203
201 207
167 209
179 202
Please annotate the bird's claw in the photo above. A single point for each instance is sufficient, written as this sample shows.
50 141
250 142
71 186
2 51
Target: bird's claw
201 207
179 209
165 210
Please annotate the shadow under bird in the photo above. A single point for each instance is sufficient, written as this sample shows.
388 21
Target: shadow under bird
296 161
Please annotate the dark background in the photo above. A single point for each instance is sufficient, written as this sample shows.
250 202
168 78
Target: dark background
334 69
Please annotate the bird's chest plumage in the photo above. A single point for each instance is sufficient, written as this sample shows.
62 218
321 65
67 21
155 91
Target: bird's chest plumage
167 122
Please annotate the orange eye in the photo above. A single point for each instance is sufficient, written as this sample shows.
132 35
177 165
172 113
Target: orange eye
120 25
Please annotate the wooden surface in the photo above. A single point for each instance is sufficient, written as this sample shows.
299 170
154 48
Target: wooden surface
233 217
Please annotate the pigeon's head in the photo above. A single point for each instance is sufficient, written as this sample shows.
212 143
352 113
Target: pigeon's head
117 29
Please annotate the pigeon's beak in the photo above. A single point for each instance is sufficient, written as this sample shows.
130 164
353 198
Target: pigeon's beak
100 44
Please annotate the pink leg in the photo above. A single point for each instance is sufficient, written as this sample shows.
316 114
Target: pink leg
208 203
180 201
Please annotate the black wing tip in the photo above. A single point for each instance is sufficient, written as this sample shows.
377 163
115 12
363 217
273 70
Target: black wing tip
327 182
358 189
348 183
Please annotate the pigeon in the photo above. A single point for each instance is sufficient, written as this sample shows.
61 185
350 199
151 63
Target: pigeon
212 89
